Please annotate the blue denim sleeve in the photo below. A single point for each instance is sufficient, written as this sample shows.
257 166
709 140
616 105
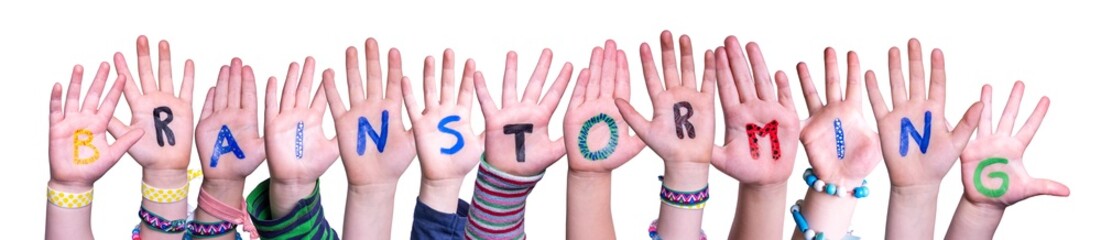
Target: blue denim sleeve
431 224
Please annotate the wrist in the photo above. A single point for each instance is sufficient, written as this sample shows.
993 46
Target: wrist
440 194
686 176
284 195
366 190
225 190
164 178
69 187
763 190
915 194
586 175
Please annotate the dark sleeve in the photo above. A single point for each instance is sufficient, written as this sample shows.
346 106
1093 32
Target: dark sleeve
431 224
305 221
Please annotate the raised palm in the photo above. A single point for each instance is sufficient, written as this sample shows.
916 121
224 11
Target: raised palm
930 146
592 107
762 127
298 151
992 165
528 117
79 153
228 126
373 149
841 146
170 146
446 145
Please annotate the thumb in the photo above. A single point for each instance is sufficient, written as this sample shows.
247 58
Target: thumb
1047 187
123 144
962 133
632 117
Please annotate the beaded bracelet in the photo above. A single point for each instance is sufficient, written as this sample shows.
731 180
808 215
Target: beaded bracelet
654 231
809 234
687 200
834 189
153 221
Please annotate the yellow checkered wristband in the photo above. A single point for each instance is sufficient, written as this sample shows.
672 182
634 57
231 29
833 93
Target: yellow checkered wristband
162 195
68 200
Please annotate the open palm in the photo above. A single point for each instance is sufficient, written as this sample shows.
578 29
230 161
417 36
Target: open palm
992 165
297 149
592 115
228 123
442 154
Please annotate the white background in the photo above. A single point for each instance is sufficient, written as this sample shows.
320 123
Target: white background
1052 46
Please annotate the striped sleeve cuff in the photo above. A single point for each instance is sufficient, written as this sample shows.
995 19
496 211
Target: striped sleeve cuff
497 209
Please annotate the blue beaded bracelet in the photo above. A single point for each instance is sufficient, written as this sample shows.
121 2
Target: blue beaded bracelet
804 227
833 189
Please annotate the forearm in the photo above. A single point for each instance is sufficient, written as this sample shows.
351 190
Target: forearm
68 223
974 221
826 214
164 179
682 223
912 212
369 211
760 213
589 206
229 192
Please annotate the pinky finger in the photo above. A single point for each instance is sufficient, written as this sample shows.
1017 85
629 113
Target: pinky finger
1033 123
56 114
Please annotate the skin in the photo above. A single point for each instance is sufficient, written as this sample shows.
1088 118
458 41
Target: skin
686 160
978 216
67 176
442 174
293 179
162 167
234 96
825 213
749 97
372 177
916 178
588 182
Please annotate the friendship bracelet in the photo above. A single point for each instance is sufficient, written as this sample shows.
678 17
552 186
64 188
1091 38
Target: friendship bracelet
654 231
834 189
212 206
164 195
210 229
686 200
68 200
136 234
156 222
809 234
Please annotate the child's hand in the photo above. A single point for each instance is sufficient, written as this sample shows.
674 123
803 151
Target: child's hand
446 145
154 109
592 115
375 147
762 127
227 135
842 147
79 153
516 135
918 145
298 151
992 166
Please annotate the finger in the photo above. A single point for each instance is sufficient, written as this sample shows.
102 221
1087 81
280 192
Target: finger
271 105
221 89
650 72
413 109
1041 186
728 91
290 87
579 89
1009 115
123 144
56 113
554 95
234 93
534 90
709 75
91 101
73 96
938 80
319 103
687 63
669 61
466 87
1033 123
447 79
917 70
609 69
394 74
761 77
131 89
208 105
898 85
810 93
985 124
622 77
633 118
833 78
336 106
248 90
879 108
431 95
374 70
355 82
489 107
107 109
188 86
305 83
145 67
557 150
164 68
962 133
783 88
596 65
508 86
116 128
853 92
740 70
